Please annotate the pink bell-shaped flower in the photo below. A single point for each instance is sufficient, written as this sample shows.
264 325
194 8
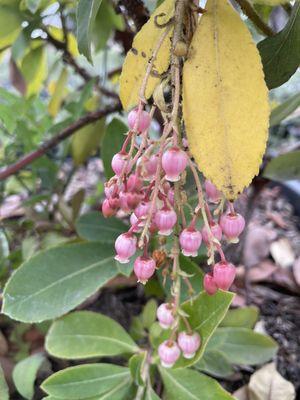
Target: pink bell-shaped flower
125 246
224 274
189 343
168 353
174 162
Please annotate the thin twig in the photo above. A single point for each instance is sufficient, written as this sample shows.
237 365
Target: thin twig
250 12
49 144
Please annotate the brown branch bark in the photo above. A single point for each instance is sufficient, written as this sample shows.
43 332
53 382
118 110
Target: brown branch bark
49 144
250 12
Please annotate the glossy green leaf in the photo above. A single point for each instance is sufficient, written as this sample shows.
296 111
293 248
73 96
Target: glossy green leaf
112 143
34 69
244 317
85 334
149 313
10 24
4 394
24 374
281 53
85 15
136 365
284 167
186 384
284 110
93 226
85 381
205 314
215 363
57 280
243 346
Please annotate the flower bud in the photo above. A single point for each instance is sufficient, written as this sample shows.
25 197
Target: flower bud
165 315
144 268
136 225
165 219
224 274
188 343
209 284
142 209
168 353
125 246
107 211
119 162
190 240
215 230
129 200
174 162
151 165
232 225
212 193
134 183
143 123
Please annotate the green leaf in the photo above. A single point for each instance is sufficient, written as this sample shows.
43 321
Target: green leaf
281 53
111 144
34 69
24 374
57 280
149 313
85 14
150 394
186 384
136 364
85 334
59 93
85 381
243 346
205 314
284 167
215 363
284 110
93 226
10 24
4 394
244 317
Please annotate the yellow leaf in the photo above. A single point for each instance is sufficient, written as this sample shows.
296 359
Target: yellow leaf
136 61
58 34
34 69
225 100
86 141
271 2
58 93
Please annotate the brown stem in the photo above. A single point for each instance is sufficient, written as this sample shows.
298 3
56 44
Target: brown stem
250 12
49 144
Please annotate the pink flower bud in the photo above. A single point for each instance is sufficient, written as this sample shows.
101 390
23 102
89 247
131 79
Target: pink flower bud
224 274
188 343
143 123
118 163
114 202
215 230
110 189
134 183
142 209
168 353
165 219
174 162
232 226
212 193
165 315
209 284
107 211
171 196
125 246
151 166
134 221
129 200
190 240
144 268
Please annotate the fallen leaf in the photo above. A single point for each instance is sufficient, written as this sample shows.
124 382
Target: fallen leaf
268 384
257 244
262 271
241 393
282 253
277 219
296 271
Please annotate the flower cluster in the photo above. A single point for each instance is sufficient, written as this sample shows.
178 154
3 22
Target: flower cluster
148 187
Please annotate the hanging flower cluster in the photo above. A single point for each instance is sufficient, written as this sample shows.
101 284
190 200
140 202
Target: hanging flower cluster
148 185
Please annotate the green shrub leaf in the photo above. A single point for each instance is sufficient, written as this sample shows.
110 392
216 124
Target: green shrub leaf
284 167
244 317
4 395
86 381
215 363
24 374
186 384
86 334
284 110
136 364
57 280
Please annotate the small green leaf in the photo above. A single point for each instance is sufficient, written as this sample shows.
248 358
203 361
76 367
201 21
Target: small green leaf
281 53
284 110
10 24
284 167
34 69
85 381
4 394
111 144
243 346
93 226
24 374
186 384
149 313
136 364
57 280
244 317
85 334
215 363
85 15
150 394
